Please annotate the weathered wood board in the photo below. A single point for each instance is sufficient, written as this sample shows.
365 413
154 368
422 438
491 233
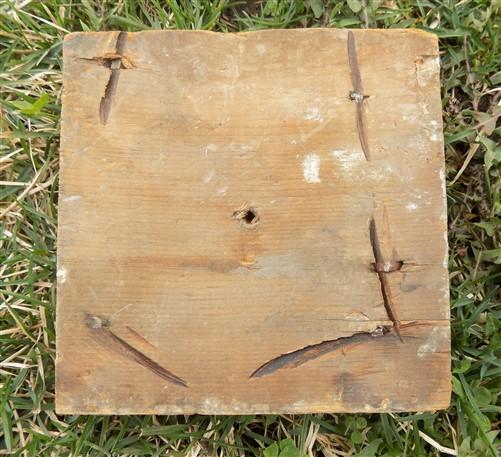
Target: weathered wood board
252 223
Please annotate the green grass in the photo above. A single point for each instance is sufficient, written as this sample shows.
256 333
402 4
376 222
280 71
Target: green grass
31 34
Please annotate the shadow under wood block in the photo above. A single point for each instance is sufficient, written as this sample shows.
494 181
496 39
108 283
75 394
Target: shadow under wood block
252 223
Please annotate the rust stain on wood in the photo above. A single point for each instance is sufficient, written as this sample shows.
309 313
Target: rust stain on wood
357 95
101 330
383 280
111 86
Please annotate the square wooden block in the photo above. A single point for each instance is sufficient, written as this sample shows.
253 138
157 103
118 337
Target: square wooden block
252 223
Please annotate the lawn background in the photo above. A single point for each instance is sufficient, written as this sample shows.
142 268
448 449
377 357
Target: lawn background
31 35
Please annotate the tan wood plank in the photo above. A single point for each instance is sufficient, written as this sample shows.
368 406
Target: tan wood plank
169 301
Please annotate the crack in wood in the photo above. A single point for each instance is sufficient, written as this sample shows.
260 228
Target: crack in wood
301 356
305 354
389 304
104 335
357 95
115 64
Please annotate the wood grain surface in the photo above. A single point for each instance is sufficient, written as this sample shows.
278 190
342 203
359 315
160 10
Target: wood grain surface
252 223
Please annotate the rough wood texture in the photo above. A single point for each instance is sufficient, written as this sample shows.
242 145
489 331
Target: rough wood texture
252 223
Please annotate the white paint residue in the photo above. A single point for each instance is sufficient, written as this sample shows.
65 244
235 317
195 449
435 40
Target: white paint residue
441 174
437 335
233 71
347 158
383 173
425 198
411 206
71 198
61 275
313 113
261 49
208 177
409 118
436 131
385 403
337 394
427 68
199 69
446 292
210 148
300 405
212 404
222 190
375 175
356 316
241 149
238 407
445 260
311 168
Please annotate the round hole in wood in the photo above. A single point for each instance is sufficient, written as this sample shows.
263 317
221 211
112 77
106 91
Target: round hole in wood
247 216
